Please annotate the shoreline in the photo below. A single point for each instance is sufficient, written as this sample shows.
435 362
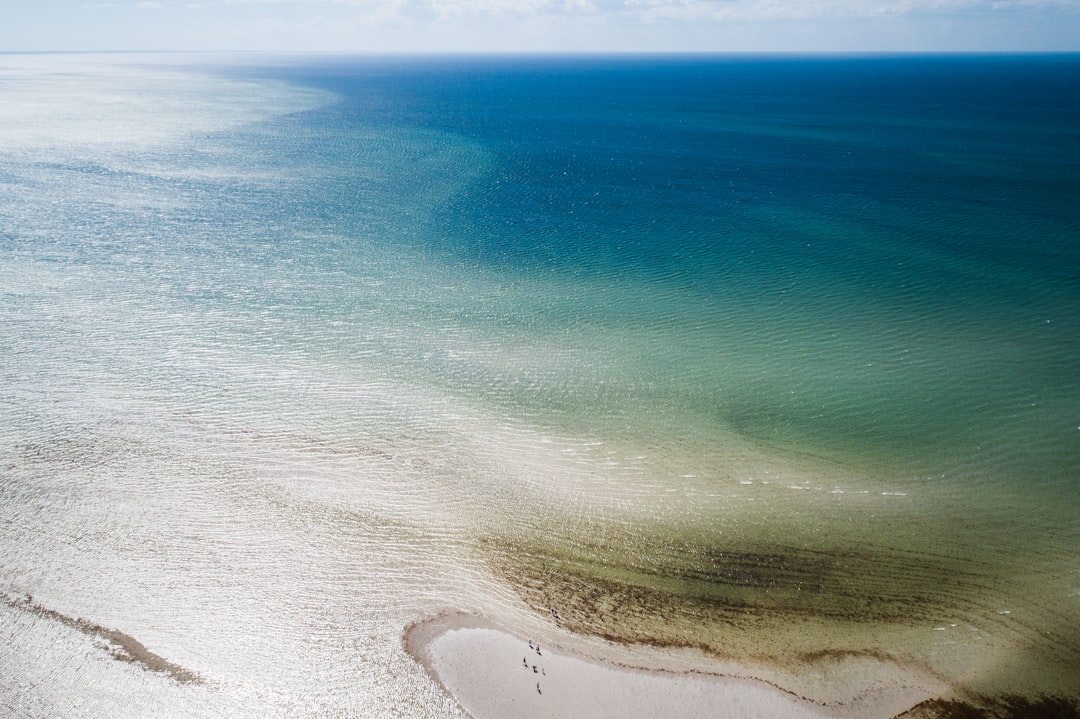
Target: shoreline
491 671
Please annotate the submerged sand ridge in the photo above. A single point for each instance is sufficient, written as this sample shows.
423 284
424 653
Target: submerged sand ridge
493 672
121 646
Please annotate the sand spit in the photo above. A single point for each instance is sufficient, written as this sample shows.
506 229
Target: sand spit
492 673
120 646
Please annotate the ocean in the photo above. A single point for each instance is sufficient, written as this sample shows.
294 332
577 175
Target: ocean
773 357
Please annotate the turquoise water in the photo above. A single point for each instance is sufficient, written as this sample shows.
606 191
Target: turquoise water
875 258
457 315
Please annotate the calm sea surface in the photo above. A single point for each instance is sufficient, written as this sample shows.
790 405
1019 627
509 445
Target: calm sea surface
774 356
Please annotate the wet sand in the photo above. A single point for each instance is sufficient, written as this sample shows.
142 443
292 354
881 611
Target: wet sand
491 672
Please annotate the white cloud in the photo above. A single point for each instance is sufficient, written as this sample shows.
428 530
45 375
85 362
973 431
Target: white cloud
756 10
651 10
376 5
634 25
447 8
455 9
1050 4
276 2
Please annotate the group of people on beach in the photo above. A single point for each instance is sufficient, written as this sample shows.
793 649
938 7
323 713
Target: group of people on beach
525 663
535 647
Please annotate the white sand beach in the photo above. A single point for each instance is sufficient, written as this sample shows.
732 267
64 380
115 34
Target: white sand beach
492 673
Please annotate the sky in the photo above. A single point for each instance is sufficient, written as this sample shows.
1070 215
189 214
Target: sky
436 26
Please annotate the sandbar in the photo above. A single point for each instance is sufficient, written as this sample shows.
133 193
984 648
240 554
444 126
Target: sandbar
494 673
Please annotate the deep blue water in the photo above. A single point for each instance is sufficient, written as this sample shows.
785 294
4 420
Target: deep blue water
969 155
891 240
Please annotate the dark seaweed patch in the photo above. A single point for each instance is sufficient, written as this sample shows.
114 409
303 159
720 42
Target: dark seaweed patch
1006 707
599 586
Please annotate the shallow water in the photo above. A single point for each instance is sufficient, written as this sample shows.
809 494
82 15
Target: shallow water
773 357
